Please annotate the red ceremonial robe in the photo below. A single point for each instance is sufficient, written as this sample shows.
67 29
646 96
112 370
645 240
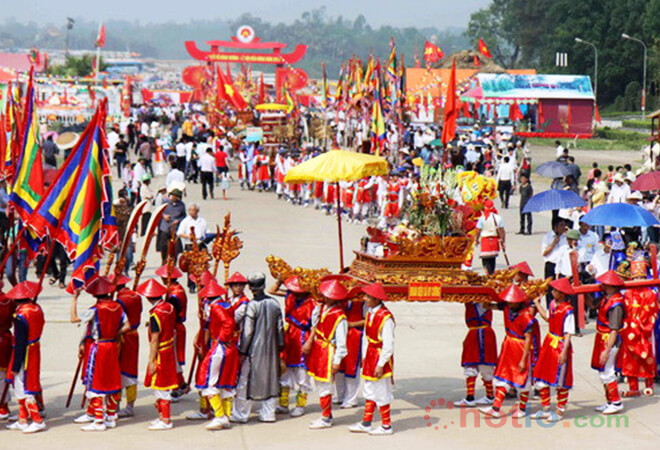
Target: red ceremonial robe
221 325
516 325
603 329
32 317
319 362
102 372
165 377
179 294
7 309
636 357
480 345
350 366
129 343
298 317
373 328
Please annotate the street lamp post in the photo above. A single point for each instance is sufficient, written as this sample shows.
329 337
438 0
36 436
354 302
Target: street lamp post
582 41
626 36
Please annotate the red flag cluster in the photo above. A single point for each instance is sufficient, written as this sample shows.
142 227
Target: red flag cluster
432 53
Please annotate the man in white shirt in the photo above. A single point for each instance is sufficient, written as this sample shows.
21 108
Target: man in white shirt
563 267
587 243
619 191
180 149
600 261
174 176
207 172
506 173
551 247
192 220
559 150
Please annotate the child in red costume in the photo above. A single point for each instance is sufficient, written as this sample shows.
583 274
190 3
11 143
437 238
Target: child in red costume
555 363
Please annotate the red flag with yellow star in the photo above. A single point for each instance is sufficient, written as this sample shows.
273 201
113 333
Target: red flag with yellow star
483 49
228 93
432 53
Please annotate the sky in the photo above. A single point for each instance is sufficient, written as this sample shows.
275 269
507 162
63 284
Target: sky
420 13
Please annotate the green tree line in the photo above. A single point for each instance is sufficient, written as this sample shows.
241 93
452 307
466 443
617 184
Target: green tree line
524 33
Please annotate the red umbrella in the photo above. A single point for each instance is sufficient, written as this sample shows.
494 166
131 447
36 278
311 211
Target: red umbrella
647 182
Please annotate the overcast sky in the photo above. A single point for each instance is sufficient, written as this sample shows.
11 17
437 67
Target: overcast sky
440 13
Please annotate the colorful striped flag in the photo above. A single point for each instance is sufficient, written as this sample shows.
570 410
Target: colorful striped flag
77 209
28 184
12 135
378 132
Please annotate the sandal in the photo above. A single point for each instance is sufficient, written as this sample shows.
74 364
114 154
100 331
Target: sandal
52 281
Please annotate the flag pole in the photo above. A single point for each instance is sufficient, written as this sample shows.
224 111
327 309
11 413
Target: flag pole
341 237
97 65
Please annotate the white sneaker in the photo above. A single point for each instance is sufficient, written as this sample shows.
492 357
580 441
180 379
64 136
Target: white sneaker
490 412
35 427
484 401
217 423
94 426
267 419
160 425
320 423
197 415
359 428
111 422
17 426
465 403
297 411
235 419
613 408
555 416
282 409
126 412
602 407
85 418
519 414
380 431
541 414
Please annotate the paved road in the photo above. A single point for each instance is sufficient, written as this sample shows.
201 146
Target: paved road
428 373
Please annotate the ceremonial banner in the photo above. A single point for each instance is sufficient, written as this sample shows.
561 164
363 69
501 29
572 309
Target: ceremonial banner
77 209
28 185
418 291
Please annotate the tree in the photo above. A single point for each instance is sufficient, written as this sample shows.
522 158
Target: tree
76 67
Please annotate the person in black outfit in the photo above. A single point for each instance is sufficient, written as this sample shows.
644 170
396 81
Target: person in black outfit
526 192
121 154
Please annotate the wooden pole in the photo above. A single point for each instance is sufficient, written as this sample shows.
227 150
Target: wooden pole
341 238
576 282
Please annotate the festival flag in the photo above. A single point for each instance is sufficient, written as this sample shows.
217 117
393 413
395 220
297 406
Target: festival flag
340 86
262 89
515 114
483 49
290 104
227 92
378 132
28 184
451 107
391 62
476 61
369 73
100 37
324 88
11 132
432 53
77 209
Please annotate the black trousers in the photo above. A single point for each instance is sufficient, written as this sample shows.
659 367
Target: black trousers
489 264
525 219
504 188
207 182
549 272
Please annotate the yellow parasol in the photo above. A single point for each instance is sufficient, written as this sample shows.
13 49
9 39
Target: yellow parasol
337 165
333 167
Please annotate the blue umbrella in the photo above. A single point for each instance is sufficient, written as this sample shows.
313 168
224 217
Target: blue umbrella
620 215
553 199
553 169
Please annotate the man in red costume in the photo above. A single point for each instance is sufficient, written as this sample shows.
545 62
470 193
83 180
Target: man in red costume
479 354
129 344
606 346
523 272
514 364
298 308
327 346
218 374
347 381
106 321
377 362
637 355
554 367
25 365
162 368
176 295
7 308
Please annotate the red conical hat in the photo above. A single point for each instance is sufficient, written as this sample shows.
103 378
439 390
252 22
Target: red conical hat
563 285
26 289
333 289
123 279
151 289
513 294
523 267
376 290
211 290
207 277
293 284
237 278
163 270
611 278
100 286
